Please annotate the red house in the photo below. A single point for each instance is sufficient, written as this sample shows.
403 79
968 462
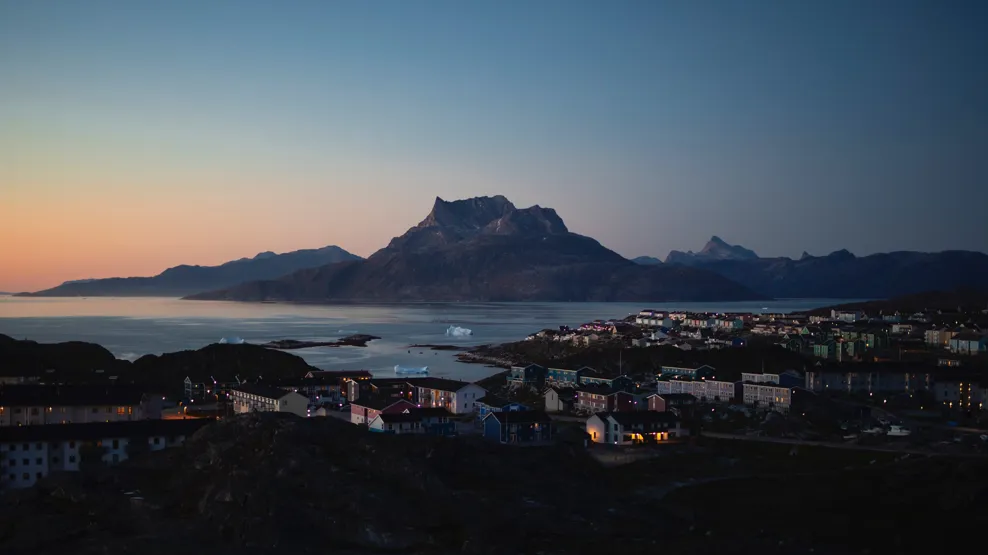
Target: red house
603 399
366 409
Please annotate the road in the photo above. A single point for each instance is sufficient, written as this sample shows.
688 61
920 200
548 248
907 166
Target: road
878 448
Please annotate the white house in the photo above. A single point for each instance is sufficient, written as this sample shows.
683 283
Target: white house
29 405
628 428
968 343
29 453
770 395
455 396
262 398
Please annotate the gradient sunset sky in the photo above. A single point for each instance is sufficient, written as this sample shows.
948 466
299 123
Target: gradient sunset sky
137 135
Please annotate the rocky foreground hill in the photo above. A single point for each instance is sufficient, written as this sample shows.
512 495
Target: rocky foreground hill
268 483
486 249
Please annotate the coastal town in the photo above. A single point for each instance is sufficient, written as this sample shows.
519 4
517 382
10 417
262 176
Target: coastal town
911 382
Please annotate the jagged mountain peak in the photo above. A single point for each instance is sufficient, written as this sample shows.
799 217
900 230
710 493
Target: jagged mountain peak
471 213
805 255
715 249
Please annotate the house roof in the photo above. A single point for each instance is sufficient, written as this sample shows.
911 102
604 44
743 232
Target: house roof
414 415
561 389
338 374
599 390
638 417
675 396
441 384
520 417
68 395
494 401
261 390
968 336
379 403
102 430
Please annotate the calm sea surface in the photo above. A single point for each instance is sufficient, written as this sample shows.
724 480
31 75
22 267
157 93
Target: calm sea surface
132 327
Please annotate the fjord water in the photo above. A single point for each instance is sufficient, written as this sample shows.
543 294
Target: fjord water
132 327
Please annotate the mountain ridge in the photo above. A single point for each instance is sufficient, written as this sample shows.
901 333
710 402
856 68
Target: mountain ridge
715 249
185 279
486 249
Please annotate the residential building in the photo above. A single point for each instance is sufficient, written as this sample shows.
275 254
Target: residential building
629 428
691 371
367 408
869 378
847 315
767 395
29 405
560 399
968 343
669 401
533 376
600 398
949 362
264 398
959 392
902 329
563 376
490 403
455 396
705 390
414 421
518 427
620 382
939 337
29 453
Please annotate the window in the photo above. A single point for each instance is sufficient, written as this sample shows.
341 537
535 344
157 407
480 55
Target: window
13 448
17 410
34 411
72 459
39 461
39 476
95 410
26 462
116 444
157 441
27 447
54 460
13 462
26 476
121 411
109 410
13 476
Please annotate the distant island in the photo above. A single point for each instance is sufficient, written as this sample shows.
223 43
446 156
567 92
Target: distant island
839 274
184 280
486 249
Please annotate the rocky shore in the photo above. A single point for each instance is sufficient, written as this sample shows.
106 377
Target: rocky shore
356 340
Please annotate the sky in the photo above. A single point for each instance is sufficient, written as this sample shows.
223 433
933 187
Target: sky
135 135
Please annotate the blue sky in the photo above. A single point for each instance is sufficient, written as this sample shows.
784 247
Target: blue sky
139 135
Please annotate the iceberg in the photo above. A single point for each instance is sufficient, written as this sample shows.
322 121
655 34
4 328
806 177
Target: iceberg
405 370
231 341
457 331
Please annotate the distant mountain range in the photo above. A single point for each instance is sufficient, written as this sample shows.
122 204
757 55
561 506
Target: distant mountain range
646 260
839 274
185 280
715 249
486 249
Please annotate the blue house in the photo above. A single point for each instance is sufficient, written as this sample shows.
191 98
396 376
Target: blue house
620 382
518 427
532 375
562 376
489 403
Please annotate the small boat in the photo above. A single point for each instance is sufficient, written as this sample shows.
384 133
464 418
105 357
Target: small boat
406 370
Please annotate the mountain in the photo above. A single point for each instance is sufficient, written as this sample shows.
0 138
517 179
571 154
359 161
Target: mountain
183 280
841 274
646 260
715 249
486 249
